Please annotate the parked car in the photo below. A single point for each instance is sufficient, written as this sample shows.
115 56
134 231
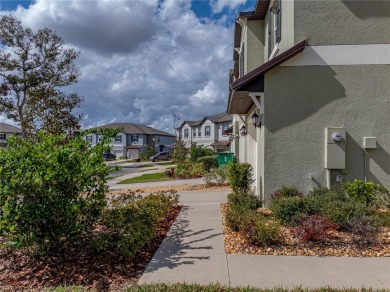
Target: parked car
108 156
161 156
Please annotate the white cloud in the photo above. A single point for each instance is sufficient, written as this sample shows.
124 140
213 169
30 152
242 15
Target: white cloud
218 5
141 61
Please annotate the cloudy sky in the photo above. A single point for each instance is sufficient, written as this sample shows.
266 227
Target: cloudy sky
143 60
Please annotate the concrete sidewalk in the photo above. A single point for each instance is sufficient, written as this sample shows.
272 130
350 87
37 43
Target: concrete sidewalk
194 252
178 182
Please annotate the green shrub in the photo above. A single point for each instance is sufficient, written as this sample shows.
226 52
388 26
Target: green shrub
150 151
240 177
188 170
130 225
384 218
52 190
218 176
240 219
197 151
290 210
209 162
244 201
179 152
339 207
284 191
264 232
368 193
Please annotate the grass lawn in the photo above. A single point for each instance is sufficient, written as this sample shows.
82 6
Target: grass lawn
147 177
167 163
210 288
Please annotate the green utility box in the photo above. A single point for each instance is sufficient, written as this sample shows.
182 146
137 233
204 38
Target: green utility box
225 158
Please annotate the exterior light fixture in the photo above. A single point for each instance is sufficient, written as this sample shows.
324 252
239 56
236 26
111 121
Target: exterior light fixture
243 130
256 120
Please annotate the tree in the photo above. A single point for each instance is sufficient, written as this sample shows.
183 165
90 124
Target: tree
34 68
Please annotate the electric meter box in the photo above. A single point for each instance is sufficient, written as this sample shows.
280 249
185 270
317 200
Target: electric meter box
335 148
369 142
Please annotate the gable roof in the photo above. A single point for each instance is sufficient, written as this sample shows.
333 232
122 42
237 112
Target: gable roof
218 118
134 129
7 128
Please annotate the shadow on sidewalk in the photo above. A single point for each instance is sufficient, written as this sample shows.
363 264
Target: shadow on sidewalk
182 245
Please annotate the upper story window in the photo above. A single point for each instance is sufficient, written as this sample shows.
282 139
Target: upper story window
199 131
134 139
88 138
225 126
2 136
118 138
207 130
274 26
194 133
100 138
186 133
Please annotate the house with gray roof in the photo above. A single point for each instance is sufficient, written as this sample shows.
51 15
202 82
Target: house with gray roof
208 131
133 139
6 131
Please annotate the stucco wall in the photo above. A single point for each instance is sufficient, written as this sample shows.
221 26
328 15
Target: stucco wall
301 101
335 22
254 49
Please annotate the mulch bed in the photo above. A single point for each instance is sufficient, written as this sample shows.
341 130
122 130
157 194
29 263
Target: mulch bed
340 244
106 271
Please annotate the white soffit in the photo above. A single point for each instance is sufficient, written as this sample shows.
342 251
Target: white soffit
374 54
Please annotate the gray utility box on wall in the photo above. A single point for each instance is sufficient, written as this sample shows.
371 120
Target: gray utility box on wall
335 147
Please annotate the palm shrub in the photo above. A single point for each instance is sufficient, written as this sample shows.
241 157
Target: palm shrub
52 190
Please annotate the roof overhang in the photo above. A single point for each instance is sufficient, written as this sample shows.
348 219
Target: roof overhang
239 100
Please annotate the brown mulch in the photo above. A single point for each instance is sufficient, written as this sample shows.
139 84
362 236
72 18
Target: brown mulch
105 271
148 190
340 244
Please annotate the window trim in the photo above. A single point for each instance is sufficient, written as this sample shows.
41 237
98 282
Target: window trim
88 138
199 132
186 133
118 140
274 28
208 127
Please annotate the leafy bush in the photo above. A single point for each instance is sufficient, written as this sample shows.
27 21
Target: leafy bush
244 201
188 170
336 205
284 191
179 152
51 190
218 176
384 218
131 224
240 219
314 227
240 177
366 193
150 151
264 232
290 210
209 162
197 151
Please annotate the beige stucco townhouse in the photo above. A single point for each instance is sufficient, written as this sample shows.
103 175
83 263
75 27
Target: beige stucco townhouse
315 78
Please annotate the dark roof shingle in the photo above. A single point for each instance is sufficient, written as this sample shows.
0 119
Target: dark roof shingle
130 128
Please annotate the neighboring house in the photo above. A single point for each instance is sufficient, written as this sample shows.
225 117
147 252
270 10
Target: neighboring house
315 78
208 132
6 131
133 139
